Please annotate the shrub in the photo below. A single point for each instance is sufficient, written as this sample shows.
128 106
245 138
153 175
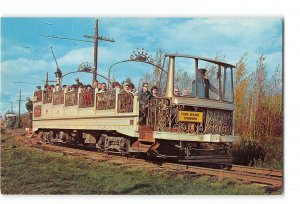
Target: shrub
247 151
267 153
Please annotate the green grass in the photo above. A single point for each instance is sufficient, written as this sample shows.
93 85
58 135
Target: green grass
26 170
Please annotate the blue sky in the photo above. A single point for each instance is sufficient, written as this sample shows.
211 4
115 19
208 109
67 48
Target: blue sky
26 56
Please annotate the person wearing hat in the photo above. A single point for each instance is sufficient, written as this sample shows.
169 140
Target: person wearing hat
144 96
79 84
126 87
203 85
131 89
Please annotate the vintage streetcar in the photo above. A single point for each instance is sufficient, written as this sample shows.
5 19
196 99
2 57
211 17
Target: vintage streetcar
195 124
10 119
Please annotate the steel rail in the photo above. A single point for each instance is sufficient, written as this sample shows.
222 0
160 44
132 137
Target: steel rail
254 170
254 178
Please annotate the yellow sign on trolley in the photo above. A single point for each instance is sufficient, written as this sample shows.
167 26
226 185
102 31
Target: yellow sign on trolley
188 116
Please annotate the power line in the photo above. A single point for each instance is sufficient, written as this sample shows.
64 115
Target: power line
75 29
82 27
47 23
20 82
64 38
83 24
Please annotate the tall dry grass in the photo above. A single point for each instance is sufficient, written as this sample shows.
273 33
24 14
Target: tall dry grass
258 115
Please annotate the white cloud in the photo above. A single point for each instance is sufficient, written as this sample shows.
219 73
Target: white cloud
23 65
21 70
106 56
76 57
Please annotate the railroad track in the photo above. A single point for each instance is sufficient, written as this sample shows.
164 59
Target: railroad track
262 176
243 173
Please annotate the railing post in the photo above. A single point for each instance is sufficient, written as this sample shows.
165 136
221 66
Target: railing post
117 98
95 100
135 105
78 99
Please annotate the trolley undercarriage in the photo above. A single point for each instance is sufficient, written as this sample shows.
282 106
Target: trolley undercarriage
116 143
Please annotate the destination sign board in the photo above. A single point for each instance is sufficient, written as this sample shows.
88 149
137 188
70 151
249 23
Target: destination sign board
189 116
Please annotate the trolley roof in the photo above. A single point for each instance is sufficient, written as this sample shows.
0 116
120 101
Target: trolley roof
201 58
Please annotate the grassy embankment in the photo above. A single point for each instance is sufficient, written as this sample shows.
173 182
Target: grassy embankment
26 170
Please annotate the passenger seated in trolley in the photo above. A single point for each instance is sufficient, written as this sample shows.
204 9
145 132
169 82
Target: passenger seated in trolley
57 88
88 95
125 88
176 91
131 89
95 84
103 87
154 92
115 85
185 92
73 87
98 89
203 85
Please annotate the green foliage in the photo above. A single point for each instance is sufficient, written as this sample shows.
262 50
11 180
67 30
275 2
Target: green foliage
26 170
252 152
273 148
246 151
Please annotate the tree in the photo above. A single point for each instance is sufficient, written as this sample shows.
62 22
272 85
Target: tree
258 100
242 122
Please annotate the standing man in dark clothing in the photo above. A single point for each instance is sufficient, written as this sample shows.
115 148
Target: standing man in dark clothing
78 83
204 85
29 107
144 96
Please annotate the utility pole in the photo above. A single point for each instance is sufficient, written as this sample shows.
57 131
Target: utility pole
96 38
47 79
19 123
95 51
